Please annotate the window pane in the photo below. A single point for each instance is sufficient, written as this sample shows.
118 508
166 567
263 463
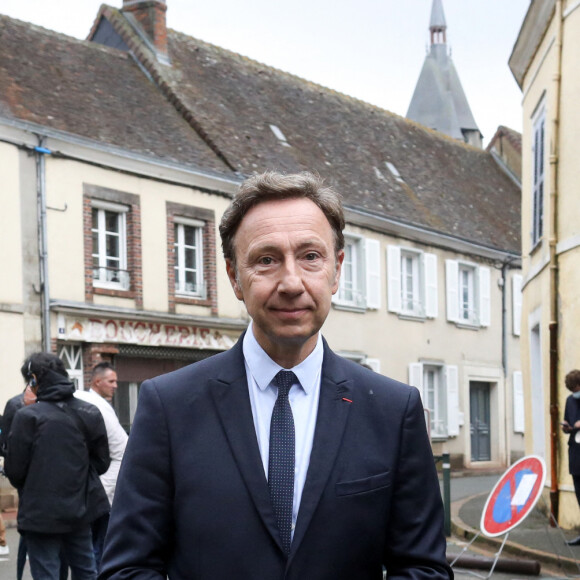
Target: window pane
190 281
189 235
112 221
190 258
113 246
95 218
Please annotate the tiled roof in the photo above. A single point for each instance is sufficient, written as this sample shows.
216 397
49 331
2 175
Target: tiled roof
92 91
444 184
213 109
511 135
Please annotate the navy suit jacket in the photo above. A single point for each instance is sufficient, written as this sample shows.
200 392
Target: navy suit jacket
192 498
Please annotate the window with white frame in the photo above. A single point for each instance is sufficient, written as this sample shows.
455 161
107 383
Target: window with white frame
439 390
188 247
468 293
360 279
373 364
412 282
72 357
109 252
538 176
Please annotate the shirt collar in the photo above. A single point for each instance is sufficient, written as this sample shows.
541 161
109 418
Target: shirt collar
263 369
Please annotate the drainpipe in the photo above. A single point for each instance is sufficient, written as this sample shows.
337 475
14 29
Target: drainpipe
553 240
504 356
40 152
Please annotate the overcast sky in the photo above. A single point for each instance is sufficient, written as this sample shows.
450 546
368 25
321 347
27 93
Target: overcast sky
369 49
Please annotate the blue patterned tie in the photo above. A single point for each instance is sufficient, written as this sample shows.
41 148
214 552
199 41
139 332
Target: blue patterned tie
281 461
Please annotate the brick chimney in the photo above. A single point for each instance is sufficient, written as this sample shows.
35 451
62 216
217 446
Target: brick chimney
150 14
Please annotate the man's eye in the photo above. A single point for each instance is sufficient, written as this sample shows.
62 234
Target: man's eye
311 256
266 260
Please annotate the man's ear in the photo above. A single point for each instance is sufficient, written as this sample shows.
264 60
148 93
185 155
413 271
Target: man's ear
337 270
232 275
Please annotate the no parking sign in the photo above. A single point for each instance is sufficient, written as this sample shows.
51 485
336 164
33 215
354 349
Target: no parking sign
513 496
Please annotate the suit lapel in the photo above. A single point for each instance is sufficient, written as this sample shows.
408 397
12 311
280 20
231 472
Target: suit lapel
330 424
231 399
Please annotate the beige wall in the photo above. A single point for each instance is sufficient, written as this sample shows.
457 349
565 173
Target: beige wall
540 86
11 296
376 334
65 181
396 342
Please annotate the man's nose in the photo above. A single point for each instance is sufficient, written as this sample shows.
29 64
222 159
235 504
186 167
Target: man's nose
291 278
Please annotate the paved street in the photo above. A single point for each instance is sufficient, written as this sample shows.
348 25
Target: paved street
461 488
8 563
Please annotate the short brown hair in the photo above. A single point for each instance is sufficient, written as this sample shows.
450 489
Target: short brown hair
572 379
270 186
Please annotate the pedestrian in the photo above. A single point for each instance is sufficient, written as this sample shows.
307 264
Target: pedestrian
571 425
56 447
27 397
103 386
278 458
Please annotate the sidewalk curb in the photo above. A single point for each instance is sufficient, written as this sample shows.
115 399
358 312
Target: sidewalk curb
463 531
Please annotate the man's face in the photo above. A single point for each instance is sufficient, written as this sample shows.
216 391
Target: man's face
105 384
286 272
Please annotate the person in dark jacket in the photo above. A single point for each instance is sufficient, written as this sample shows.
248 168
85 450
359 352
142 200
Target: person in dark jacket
56 449
27 397
571 425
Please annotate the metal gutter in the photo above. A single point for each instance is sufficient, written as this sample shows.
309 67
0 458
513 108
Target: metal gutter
387 225
40 153
23 134
554 270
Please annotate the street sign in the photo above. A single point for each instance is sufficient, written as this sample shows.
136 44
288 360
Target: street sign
513 496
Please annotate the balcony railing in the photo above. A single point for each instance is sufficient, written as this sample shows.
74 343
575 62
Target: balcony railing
190 290
111 278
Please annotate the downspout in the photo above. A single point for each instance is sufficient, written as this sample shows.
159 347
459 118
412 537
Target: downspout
504 364
40 152
504 356
553 240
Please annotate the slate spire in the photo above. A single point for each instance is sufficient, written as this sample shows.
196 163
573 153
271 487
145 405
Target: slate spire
439 101
437 24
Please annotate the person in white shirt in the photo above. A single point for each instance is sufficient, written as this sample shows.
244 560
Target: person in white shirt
103 387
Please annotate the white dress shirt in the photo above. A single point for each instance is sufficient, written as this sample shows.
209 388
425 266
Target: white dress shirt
115 434
303 397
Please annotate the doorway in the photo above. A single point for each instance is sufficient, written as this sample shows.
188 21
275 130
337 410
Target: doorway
479 405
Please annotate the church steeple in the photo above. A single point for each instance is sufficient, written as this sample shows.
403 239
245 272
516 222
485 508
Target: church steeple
437 25
439 101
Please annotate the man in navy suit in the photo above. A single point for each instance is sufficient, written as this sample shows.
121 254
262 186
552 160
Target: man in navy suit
278 458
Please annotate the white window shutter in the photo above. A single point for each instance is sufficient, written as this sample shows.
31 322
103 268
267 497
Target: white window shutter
416 377
394 278
373 273
374 363
452 283
517 304
518 402
430 269
484 296
452 384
